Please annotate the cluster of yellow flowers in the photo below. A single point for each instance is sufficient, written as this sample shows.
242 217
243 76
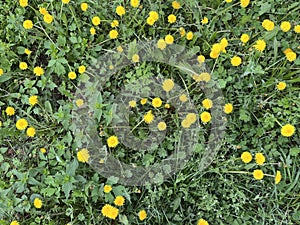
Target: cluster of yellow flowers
260 159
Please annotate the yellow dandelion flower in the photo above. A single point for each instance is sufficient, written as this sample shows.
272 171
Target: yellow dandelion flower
175 5
202 222
205 117
168 85
148 117
23 66
109 211
285 26
183 98
228 108
161 126
204 20
120 10
191 118
297 29
143 101
156 102
10 111
288 130
84 6
65 1
244 3
43 11
268 24
83 155
246 157
23 3
96 20
134 3
37 203
207 103
258 174
189 36
142 215
38 71
1 72
260 45
43 150
30 131
135 58
33 100
185 123
278 177
228 1
132 103
81 69
21 124
112 141
154 15
72 75
182 31
172 18
260 158
107 188
14 222
201 58
281 86
169 39
236 61
114 23
150 21
79 102
119 200
28 24
48 18
120 49
161 44
291 56
93 31
245 38
113 34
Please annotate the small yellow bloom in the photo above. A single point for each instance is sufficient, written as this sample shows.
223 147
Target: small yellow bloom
84 6
132 103
120 10
172 18
207 103
168 85
245 38
143 101
236 61
260 45
182 31
37 203
93 31
204 20
65 1
228 1
1 71
228 108
23 3
154 15
114 23
43 150
258 174
33 100
96 20
291 56
14 223
43 11
185 123
205 117
260 158
288 130
175 5
285 26
142 215
189 36
79 102
112 141
246 157
119 200
297 29
161 44
169 39
10 111
134 3
72 75
135 58
278 177
28 24
109 211
107 188
156 102
48 18
30 131
161 126
150 21
21 124
202 222
83 155
113 34
268 24
191 118
23 66
201 58
281 86
81 69
148 117
38 71
244 3
183 98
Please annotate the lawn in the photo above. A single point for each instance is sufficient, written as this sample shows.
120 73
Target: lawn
149 112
